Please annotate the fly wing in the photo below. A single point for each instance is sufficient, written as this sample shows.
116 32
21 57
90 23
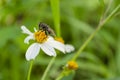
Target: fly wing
51 32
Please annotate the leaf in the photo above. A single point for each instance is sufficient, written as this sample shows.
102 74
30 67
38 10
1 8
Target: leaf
69 77
97 68
91 57
118 54
107 36
102 3
79 25
8 33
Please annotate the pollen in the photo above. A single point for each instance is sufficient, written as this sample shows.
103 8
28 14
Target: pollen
72 65
59 39
40 36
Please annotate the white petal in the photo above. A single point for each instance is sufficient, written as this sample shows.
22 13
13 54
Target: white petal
49 50
56 44
50 38
69 48
25 30
32 51
26 40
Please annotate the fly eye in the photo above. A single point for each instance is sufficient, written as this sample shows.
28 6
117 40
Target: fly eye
41 24
43 27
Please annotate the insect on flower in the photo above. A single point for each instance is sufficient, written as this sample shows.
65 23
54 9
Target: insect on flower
43 41
42 26
47 29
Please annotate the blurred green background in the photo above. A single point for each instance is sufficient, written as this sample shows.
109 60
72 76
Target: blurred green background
99 61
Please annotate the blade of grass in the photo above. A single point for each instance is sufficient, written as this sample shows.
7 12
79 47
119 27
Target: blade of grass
118 54
56 15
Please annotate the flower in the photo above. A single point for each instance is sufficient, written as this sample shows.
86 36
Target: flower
68 47
72 65
43 41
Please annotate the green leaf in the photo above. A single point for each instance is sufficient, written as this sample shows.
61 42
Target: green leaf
80 25
69 77
102 3
118 54
91 57
107 36
97 68
8 33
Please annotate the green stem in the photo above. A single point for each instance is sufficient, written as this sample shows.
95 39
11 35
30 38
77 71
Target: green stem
90 38
30 68
93 34
60 76
106 11
56 15
48 68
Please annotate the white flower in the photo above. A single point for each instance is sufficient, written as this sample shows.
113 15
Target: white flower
42 41
69 48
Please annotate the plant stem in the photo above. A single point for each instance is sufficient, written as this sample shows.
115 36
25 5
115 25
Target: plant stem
93 34
106 11
56 16
100 25
30 68
61 75
48 68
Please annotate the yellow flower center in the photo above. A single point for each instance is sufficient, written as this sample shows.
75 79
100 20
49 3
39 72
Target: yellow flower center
59 39
40 36
72 65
